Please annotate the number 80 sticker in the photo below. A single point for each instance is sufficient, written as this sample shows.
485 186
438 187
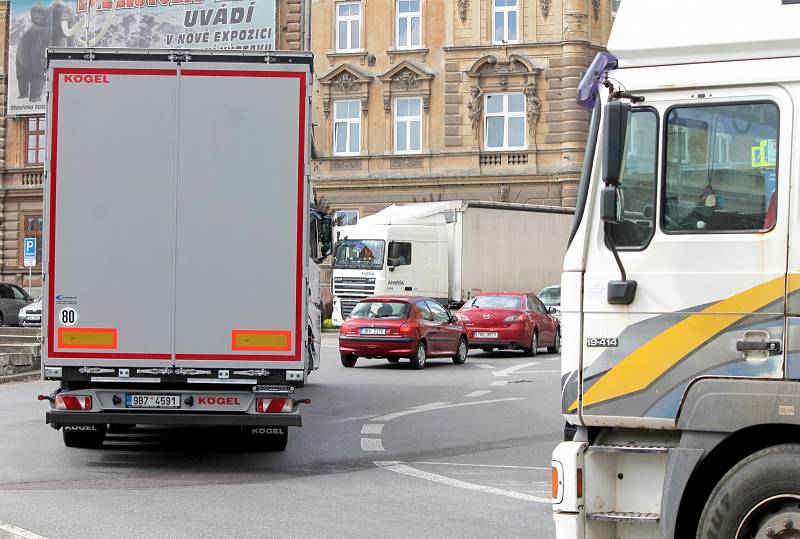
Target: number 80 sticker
68 316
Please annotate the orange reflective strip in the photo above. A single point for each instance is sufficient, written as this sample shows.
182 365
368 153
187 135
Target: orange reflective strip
261 340
105 338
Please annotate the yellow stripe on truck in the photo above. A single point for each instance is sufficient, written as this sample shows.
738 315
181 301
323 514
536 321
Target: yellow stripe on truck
648 362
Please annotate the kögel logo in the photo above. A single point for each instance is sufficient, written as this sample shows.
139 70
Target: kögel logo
219 401
87 79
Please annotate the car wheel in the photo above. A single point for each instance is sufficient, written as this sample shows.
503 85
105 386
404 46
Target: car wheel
420 355
556 348
462 350
83 436
349 360
758 496
392 359
530 351
2 323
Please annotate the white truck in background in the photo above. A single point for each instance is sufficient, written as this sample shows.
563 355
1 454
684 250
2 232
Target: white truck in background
181 247
448 251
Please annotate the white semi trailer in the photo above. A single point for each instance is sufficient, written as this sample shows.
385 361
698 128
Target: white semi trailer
181 248
448 251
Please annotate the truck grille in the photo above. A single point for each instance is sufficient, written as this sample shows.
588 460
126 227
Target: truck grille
351 290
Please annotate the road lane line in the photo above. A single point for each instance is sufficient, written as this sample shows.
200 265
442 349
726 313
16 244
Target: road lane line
490 466
400 468
372 428
19 532
371 444
515 368
485 366
499 383
389 417
479 393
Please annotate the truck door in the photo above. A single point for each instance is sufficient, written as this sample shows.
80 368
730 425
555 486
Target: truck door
401 263
706 185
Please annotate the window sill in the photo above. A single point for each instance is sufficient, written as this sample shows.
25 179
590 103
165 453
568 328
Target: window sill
360 54
421 51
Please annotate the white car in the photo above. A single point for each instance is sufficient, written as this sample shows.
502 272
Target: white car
31 315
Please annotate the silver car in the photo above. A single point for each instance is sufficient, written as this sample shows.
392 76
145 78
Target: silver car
31 315
12 299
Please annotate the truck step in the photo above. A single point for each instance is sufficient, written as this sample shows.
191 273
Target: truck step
618 448
620 516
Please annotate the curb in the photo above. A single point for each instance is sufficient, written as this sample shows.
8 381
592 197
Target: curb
20 377
331 330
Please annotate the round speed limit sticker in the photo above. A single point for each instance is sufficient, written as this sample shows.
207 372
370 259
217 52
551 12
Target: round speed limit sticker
68 316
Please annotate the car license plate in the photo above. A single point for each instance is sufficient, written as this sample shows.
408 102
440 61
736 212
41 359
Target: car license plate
485 334
152 401
373 331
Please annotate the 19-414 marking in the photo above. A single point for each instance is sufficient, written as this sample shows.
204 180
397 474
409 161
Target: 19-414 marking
602 342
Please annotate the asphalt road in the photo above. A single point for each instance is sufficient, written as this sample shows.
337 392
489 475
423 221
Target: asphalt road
385 451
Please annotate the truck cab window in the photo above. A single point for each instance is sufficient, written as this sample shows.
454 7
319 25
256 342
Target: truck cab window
638 182
721 168
399 253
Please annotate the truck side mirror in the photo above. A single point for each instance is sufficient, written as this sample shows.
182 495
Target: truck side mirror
612 207
326 235
616 118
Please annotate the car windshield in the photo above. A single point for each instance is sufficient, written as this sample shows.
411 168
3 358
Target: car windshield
496 302
359 254
551 295
380 309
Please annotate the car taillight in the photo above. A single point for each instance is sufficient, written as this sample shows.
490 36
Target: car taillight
72 402
275 406
514 318
408 329
347 329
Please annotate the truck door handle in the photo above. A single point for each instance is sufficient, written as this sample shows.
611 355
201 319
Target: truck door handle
773 347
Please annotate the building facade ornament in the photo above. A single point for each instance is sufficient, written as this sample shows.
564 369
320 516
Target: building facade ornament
544 6
596 9
406 79
533 110
475 109
463 6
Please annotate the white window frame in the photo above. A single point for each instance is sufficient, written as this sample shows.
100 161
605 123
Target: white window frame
683 133
497 40
408 120
348 122
348 19
724 141
409 16
505 115
346 211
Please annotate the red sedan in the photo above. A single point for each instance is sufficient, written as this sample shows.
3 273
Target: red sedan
510 320
402 327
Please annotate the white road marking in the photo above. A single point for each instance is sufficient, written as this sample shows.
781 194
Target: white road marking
557 358
400 468
372 428
499 383
479 393
485 366
348 419
19 532
371 444
417 410
490 466
514 369
429 405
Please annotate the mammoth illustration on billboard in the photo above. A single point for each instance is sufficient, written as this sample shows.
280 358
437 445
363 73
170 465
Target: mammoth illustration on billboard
38 24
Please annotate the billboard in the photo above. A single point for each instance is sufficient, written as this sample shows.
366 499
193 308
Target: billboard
144 24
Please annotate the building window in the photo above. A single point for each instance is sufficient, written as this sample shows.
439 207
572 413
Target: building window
35 140
408 24
408 125
32 226
347 127
505 121
348 26
345 217
505 14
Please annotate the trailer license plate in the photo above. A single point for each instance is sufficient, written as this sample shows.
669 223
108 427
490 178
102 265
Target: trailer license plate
485 334
153 401
373 331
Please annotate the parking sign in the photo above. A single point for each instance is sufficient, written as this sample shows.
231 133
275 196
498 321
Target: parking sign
30 252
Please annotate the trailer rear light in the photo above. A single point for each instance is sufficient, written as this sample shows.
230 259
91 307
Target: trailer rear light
276 406
72 402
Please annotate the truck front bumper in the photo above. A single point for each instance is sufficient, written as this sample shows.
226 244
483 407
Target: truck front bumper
58 419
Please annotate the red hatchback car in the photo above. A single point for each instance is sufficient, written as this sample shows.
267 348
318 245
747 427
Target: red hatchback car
510 320
402 327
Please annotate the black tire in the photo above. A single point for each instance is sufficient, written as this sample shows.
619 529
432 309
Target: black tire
488 350
460 357
349 360
420 355
259 439
759 492
2 323
83 436
392 359
556 348
531 350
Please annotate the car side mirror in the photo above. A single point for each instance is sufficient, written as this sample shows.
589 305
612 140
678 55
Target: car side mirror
552 310
453 319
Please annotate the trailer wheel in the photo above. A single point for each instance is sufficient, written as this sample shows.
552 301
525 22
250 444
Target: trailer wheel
349 360
83 436
759 497
267 438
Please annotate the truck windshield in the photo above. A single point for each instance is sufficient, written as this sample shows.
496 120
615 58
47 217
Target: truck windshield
359 254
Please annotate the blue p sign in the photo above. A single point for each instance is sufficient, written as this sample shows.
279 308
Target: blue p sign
30 247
